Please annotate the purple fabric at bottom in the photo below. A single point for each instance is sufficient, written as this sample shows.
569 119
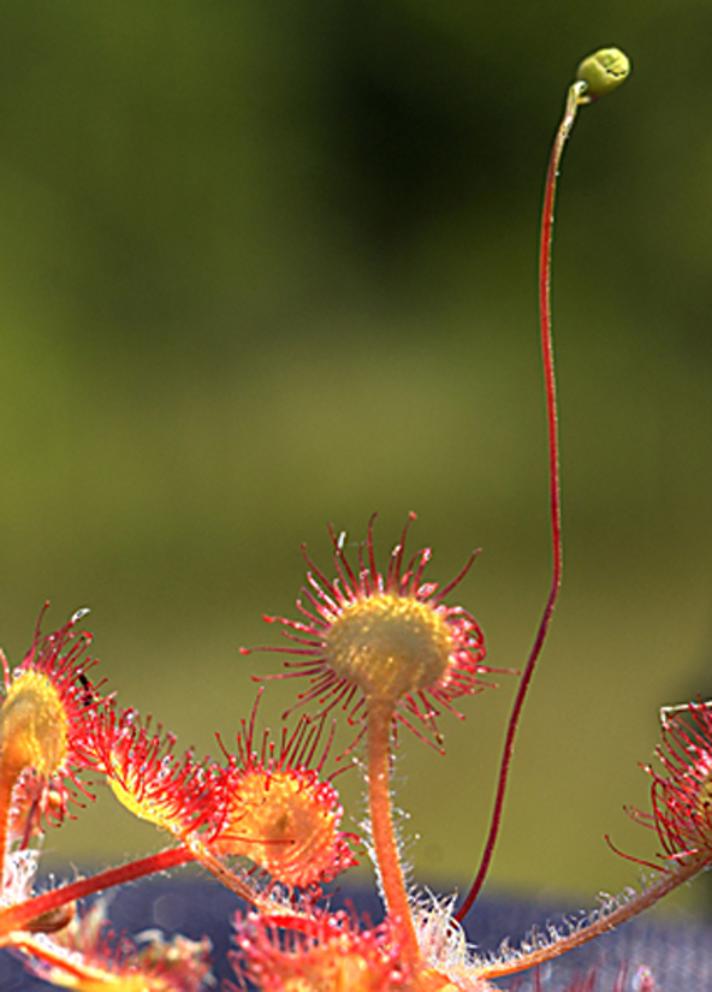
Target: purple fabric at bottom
679 955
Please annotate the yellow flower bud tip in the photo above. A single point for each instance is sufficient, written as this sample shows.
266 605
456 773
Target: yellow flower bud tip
603 71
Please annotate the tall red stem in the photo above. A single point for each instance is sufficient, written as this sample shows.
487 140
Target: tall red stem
574 98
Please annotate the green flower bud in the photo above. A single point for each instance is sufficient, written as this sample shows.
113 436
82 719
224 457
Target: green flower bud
603 71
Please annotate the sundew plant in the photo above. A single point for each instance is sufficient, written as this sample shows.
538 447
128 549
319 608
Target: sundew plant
377 644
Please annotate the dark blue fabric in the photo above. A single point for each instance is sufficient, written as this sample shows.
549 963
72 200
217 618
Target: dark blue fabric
678 954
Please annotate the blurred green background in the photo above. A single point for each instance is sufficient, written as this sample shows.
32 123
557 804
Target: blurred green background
266 265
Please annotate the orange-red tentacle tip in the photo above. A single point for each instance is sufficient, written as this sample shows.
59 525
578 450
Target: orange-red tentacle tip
681 792
175 793
46 707
279 810
328 952
370 637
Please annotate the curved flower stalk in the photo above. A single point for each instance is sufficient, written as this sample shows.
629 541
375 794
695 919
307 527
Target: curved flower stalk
596 75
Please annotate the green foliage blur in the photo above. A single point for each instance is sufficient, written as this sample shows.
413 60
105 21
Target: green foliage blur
268 265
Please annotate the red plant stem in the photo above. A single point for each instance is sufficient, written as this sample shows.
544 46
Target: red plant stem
17 917
380 716
669 881
547 223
